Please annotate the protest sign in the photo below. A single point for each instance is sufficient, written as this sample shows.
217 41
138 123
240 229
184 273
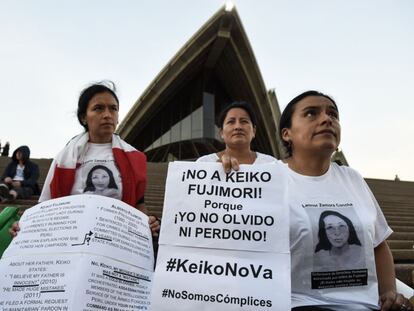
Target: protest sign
83 252
224 242
72 282
243 210
205 279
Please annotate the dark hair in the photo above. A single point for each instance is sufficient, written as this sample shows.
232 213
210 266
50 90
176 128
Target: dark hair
286 117
89 92
237 104
323 239
90 186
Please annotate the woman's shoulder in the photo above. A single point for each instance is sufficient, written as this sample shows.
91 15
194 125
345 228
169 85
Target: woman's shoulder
346 171
264 158
212 157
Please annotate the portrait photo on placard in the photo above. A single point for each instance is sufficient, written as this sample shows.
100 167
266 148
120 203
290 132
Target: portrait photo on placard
339 244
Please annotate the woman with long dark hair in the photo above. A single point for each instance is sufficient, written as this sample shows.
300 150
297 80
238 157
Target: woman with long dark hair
97 112
311 132
101 181
320 192
339 247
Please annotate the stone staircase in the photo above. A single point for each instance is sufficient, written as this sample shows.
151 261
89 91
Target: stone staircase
154 195
396 199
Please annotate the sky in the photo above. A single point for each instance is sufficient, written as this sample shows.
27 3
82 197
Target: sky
359 52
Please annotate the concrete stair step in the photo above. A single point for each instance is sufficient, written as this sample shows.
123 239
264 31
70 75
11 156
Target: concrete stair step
154 197
402 236
403 228
154 193
404 273
397 213
399 217
401 222
395 244
400 208
404 255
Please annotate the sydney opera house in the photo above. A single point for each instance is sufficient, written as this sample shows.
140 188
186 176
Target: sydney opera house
175 117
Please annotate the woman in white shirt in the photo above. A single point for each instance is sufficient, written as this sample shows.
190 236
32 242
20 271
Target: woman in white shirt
353 268
357 270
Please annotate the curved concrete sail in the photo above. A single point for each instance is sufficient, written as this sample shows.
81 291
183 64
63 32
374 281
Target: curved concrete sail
175 117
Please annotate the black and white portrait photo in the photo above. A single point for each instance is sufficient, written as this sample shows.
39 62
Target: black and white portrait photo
338 247
101 181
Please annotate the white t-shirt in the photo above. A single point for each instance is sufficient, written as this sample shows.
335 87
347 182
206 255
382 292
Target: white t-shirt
19 173
260 158
335 225
97 172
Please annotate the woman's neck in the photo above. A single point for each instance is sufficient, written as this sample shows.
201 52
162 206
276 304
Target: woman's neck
100 139
337 251
244 156
309 166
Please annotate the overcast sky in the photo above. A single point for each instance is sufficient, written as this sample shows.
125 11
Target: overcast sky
359 52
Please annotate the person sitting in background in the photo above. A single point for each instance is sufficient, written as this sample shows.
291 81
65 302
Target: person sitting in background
6 148
19 180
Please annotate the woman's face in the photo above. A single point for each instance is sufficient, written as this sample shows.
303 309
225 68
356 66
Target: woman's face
238 129
336 230
19 155
315 126
102 117
100 179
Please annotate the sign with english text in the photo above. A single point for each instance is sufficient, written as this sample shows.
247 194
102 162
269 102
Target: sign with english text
82 252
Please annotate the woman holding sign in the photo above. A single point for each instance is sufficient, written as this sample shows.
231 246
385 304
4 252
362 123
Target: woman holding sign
328 200
98 146
237 123
332 214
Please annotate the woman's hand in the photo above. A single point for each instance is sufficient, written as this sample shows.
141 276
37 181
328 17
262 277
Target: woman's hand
8 180
229 163
155 225
391 300
16 184
14 229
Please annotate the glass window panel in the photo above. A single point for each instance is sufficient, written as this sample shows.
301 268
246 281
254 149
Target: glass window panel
197 123
157 143
175 132
186 128
165 139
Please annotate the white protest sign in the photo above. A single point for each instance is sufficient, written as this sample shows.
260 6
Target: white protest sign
72 282
85 223
206 279
82 252
244 210
224 242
